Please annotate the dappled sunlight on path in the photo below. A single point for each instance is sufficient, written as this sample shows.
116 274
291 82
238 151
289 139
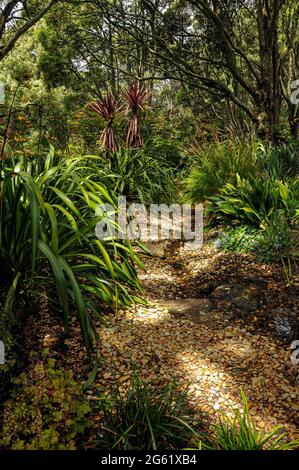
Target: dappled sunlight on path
214 363
204 350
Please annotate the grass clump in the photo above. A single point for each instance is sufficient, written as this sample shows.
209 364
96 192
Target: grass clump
147 418
220 163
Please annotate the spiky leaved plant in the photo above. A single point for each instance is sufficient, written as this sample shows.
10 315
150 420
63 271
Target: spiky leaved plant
107 108
135 96
240 433
48 217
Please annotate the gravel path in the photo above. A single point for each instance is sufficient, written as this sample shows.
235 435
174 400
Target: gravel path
210 324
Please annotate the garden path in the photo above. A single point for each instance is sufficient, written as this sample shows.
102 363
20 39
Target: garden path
215 322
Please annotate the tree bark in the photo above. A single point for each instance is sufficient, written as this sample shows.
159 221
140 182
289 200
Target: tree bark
269 87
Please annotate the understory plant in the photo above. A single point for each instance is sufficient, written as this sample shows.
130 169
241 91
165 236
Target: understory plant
167 151
279 238
47 238
252 200
262 214
242 239
147 418
273 242
259 205
46 411
281 162
218 163
241 433
138 176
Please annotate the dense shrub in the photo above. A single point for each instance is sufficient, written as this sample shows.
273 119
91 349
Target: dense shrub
264 212
220 163
138 176
47 410
282 162
261 199
147 418
164 150
252 201
47 237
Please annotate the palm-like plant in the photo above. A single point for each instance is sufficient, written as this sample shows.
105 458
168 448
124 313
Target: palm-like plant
107 108
135 97
47 237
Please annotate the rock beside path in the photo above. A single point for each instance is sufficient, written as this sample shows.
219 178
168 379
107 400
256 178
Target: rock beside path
188 306
245 295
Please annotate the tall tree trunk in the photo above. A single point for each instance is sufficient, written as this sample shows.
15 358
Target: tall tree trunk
269 86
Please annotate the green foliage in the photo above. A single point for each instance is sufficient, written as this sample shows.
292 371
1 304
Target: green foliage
265 213
252 201
242 239
147 418
282 162
47 237
164 150
223 162
46 411
273 242
278 240
240 433
138 176
220 163
254 188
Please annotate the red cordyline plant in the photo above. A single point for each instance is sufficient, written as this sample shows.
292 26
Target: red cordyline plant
135 97
107 108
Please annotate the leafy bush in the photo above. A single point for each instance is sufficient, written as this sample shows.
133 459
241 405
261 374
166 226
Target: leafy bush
47 237
136 175
46 411
165 151
282 162
242 239
252 201
278 241
220 163
273 242
240 433
147 418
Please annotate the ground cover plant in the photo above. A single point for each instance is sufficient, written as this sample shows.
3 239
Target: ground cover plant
47 410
